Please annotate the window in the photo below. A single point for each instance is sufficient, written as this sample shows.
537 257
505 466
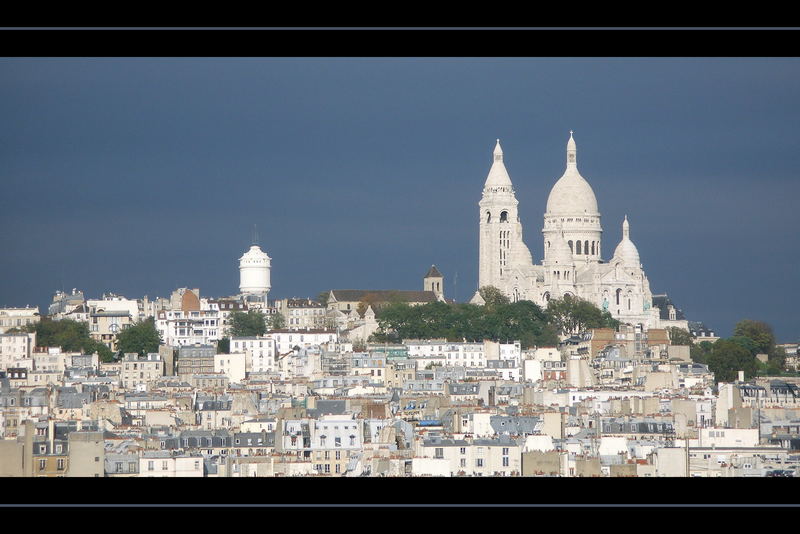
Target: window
439 452
505 461
463 449
505 451
479 462
463 462
338 442
164 465
42 465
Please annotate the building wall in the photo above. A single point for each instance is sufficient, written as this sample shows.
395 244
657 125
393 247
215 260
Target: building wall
11 458
670 462
587 467
541 463
623 470
86 454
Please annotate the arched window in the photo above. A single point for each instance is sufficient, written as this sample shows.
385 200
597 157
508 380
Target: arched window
619 292
488 216
593 242
586 247
577 247
547 297
570 245
503 216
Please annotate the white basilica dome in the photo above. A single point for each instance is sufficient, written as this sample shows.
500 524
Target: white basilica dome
572 194
626 251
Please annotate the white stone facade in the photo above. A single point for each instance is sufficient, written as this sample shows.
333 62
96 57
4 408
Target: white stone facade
572 263
16 347
259 353
17 318
178 328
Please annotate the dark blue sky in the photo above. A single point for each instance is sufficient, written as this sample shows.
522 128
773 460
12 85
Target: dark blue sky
139 176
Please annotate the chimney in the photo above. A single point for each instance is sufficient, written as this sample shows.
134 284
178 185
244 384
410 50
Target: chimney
741 376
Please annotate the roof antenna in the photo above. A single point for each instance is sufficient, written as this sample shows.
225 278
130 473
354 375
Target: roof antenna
255 235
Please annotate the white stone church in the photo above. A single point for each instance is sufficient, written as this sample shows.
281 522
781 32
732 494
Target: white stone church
572 239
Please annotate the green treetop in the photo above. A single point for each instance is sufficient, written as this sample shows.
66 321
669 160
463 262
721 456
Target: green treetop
249 324
141 338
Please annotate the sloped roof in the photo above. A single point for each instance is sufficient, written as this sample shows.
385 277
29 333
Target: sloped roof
383 295
663 302
433 271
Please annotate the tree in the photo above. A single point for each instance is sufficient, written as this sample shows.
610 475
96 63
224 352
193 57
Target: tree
746 343
778 358
699 352
726 358
276 321
141 338
570 315
679 336
759 331
250 324
224 346
105 353
493 297
504 322
323 297
69 335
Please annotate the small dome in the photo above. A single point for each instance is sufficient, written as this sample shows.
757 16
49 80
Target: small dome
572 194
626 251
498 175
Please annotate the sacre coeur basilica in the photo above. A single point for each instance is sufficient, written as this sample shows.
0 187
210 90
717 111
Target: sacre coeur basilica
572 244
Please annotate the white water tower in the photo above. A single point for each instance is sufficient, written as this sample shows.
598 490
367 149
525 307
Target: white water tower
254 266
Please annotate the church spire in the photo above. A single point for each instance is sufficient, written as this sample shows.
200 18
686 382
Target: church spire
498 152
572 152
498 175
